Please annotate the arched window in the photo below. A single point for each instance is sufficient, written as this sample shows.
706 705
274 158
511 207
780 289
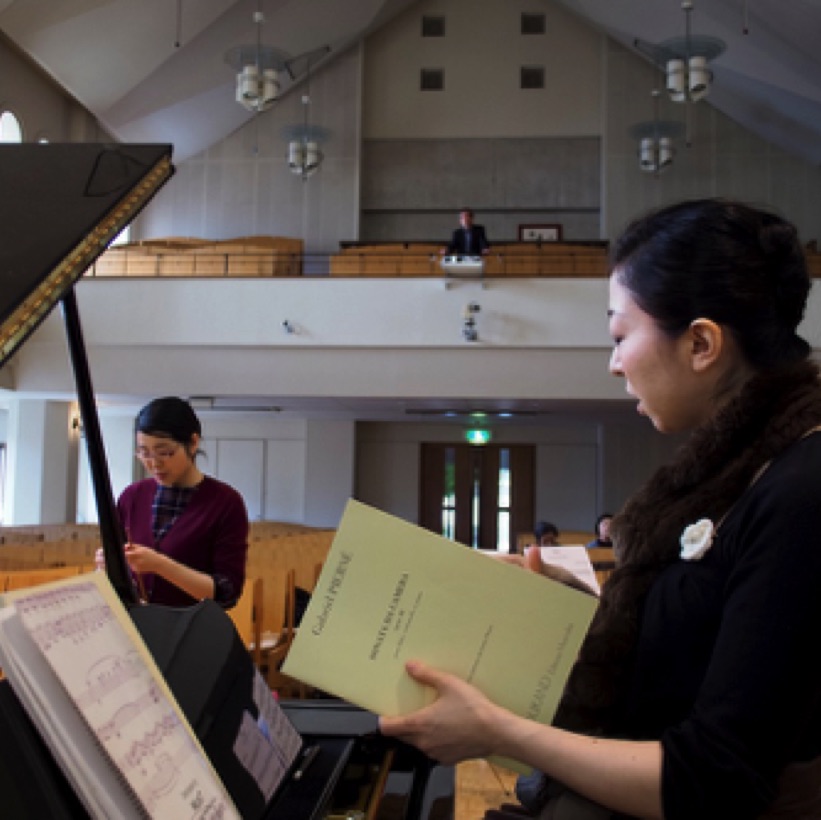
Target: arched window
10 130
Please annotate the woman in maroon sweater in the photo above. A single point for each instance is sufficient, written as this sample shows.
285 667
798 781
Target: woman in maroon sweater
186 532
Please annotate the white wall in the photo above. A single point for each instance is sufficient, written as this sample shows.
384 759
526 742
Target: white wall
595 89
286 486
387 467
272 473
303 470
41 466
285 469
263 458
481 55
538 338
366 338
243 186
723 158
386 338
583 467
329 471
356 337
44 110
566 484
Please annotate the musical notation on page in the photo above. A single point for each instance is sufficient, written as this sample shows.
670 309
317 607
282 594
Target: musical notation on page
122 699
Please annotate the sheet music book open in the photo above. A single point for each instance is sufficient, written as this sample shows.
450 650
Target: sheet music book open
82 672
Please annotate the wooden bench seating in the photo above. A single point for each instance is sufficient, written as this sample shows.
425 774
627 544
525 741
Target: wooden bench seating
48 554
247 617
273 546
392 259
259 530
814 263
22 555
48 532
25 578
87 532
604 562
275 256
302 553
296 546
561 259
250 256
566 538
281 557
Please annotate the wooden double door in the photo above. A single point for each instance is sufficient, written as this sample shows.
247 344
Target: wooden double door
481 496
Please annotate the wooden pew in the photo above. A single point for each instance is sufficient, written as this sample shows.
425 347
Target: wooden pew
387 260
566 537
20 535
512 259
300 552
48 532
243 256
25 555
247 618
25 578
604 562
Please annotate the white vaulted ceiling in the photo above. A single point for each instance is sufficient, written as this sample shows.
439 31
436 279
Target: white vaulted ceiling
120 59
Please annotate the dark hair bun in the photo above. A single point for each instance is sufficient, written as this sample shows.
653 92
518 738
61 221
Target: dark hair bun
169 416
786 267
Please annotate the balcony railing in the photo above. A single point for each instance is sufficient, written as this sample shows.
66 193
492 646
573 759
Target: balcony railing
280 256
277 257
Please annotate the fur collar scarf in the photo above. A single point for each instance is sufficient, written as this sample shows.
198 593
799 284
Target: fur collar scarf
709 473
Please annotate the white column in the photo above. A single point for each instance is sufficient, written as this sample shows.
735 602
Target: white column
329 471
41 482
117 430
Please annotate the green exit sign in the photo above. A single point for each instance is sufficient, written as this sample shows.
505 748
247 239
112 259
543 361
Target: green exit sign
477 436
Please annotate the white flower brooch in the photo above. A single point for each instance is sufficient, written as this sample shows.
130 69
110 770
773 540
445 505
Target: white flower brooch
697 539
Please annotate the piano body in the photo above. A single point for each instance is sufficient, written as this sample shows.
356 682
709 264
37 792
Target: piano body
60 207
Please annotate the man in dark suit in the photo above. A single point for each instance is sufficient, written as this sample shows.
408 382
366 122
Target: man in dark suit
470 239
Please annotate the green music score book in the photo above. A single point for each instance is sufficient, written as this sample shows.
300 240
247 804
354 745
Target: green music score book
390 591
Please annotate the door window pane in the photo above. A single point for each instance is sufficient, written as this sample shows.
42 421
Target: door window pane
476 506
503 503
449 498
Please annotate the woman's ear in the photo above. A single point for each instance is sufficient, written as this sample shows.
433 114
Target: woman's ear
707 343
193 444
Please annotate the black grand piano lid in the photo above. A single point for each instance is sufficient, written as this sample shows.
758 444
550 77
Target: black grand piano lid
61 204
60 207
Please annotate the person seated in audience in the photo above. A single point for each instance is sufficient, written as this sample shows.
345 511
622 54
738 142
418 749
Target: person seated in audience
546 533
602 530
697 690
187 533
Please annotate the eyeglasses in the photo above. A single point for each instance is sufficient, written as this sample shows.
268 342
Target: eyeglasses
160 454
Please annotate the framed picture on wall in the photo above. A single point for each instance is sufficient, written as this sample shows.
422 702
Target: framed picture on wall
540 233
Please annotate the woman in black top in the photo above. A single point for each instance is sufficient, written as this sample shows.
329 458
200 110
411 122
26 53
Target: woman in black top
697 692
